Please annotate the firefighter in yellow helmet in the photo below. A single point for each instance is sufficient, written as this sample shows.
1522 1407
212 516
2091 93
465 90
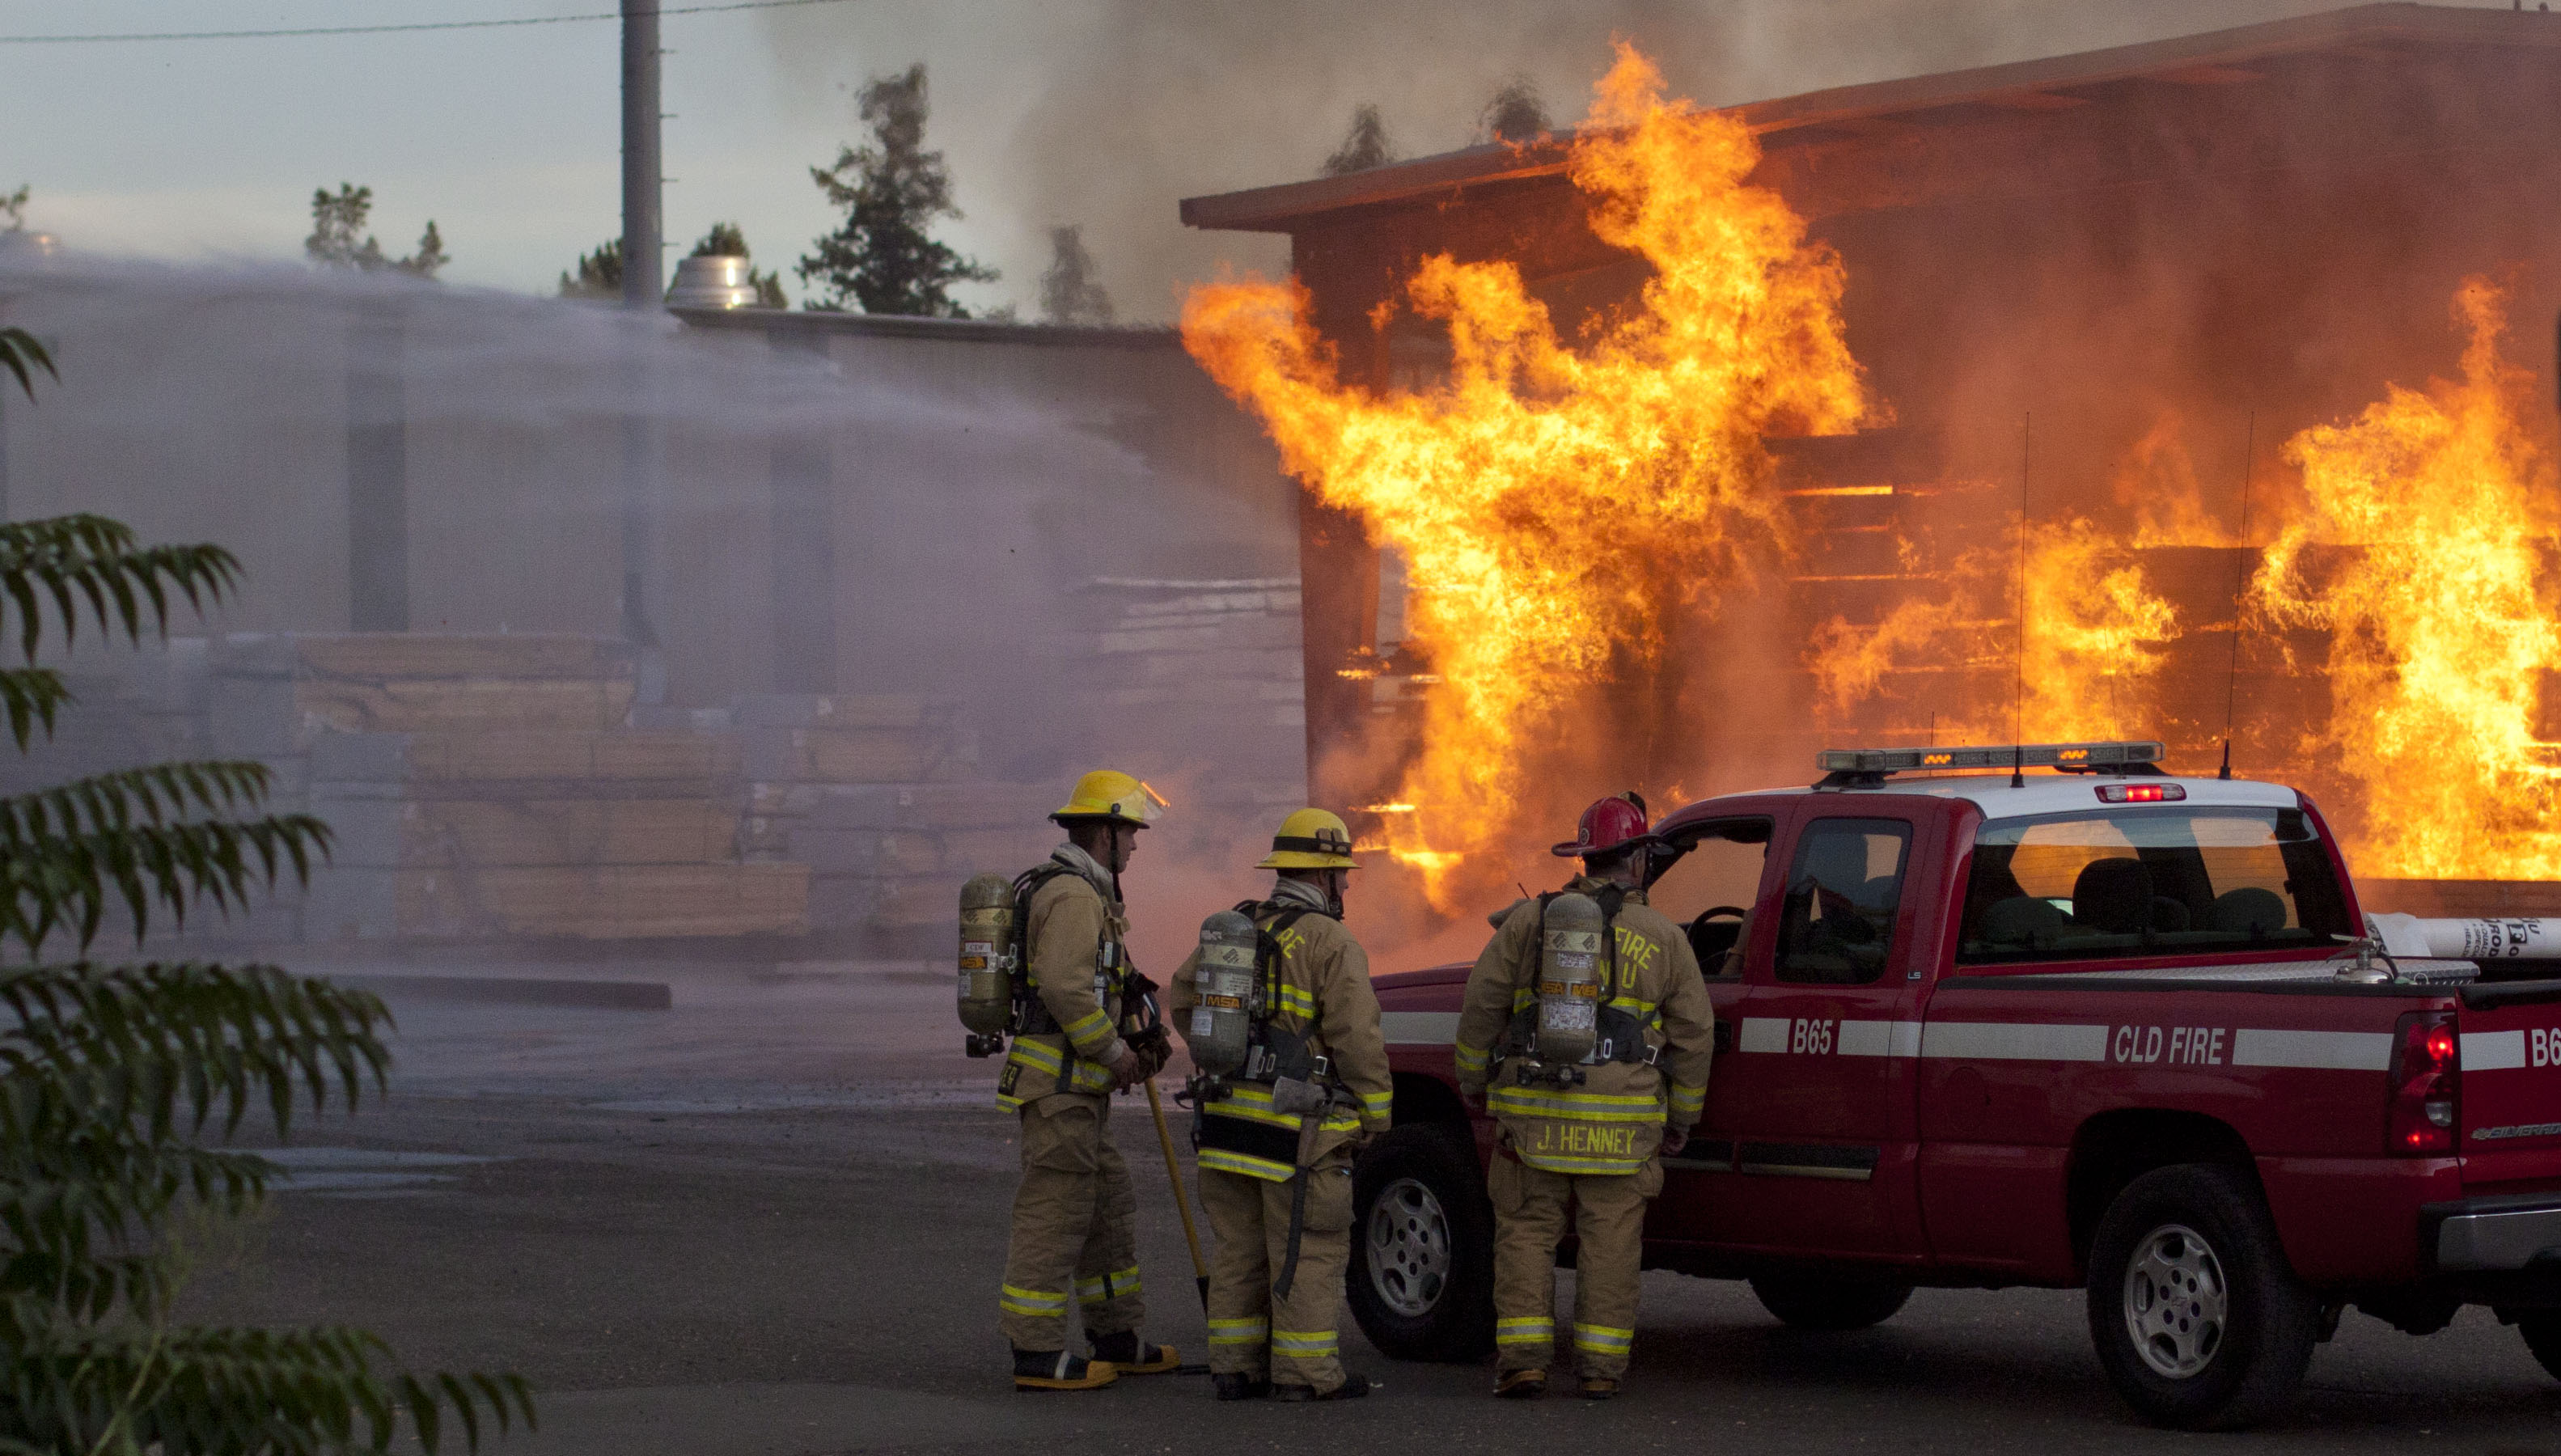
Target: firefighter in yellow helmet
1277 1135
1074 1245
1585 1134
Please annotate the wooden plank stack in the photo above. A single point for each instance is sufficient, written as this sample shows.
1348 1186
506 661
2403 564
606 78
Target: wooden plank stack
485 787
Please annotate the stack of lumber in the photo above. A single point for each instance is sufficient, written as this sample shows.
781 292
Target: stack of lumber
485 787
879 796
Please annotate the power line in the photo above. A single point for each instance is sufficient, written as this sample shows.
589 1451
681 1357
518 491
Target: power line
376 30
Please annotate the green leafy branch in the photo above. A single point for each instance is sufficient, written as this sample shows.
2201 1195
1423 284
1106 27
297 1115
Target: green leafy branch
83 560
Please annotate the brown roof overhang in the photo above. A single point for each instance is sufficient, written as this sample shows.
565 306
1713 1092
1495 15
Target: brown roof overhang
2213 58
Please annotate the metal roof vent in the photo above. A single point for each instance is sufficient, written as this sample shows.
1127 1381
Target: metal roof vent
711 282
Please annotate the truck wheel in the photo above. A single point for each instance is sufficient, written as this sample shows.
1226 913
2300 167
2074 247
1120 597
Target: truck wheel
1422 1246
1827 1302
2198 1318
2542 1331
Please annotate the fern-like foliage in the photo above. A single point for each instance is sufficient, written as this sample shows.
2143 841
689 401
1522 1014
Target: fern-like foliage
112 1078
22 353
75 561
105 1080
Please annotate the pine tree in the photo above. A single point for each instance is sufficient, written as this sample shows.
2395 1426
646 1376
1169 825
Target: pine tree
884 260
599 273
1364 146
430 254
1071 293
338 238
337 228
1515 115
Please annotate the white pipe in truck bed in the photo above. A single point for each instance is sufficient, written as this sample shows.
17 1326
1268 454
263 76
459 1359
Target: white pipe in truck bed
2521 938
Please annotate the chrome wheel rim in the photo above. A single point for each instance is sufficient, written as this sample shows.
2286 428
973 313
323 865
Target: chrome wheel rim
2176 1301
1408 1243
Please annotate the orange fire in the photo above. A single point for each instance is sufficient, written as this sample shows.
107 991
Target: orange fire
2095 633
2441 630
2157 478
1553 503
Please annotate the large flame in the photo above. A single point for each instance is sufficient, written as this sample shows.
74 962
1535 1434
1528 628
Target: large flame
2440 633
2093 630
1553 503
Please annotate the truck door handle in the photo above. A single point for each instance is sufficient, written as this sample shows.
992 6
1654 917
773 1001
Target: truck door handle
1724 1038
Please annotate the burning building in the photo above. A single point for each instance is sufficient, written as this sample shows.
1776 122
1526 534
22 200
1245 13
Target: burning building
2179 390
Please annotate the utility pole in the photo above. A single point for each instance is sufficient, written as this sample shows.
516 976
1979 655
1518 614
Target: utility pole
642 286
641 290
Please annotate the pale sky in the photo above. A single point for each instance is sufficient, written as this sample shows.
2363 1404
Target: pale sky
1099 112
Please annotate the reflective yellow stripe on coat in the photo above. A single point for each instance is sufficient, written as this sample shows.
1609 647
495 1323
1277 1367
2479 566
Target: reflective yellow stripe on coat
1039 1056
1252 1102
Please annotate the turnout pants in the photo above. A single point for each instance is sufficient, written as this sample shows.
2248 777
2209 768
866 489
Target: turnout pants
1252 1330
1529 1220
1075 1230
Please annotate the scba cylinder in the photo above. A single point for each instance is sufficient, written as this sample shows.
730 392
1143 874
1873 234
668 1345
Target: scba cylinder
986 952
1222 993
1569 980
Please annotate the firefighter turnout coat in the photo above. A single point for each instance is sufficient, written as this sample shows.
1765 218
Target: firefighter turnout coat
1275 1301
1326 997
1072 1257
1581 1153
1612 1123
1069 925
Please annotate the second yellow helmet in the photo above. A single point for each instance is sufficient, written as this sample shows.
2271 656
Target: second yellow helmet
1311 839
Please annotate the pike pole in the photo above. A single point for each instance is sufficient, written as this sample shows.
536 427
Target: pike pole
1182 1202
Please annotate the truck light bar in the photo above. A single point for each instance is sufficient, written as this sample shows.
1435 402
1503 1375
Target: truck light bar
2140 793
2118 756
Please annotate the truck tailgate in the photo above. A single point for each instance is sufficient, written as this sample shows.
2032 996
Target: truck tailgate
2511 1084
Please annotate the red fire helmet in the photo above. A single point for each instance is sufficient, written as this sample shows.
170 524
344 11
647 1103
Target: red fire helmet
1610 826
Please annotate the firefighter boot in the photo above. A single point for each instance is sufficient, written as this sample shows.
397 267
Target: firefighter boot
1521 1385
1237 1385
1131 1356
1353 1387
1056 1369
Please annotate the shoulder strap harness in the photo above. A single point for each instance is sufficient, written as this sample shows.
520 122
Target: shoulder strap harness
1274 1050
1031 1013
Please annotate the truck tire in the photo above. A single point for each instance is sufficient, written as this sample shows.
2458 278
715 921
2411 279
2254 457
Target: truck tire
2542 1331
1829 1302
2198 1318
1422 1277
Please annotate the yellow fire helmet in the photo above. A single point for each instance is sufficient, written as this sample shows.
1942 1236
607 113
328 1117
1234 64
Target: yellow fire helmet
1311 839
1107 794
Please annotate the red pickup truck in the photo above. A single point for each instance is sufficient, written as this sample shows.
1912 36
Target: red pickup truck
2093 1027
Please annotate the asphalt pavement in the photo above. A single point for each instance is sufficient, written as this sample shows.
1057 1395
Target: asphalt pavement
769 1220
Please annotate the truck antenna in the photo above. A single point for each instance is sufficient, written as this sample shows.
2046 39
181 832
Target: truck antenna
2240 582
2018 660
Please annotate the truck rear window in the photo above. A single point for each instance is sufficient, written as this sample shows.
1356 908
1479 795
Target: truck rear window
2149 882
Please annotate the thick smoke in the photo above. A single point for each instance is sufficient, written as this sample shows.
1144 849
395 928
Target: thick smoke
1103 113
999 514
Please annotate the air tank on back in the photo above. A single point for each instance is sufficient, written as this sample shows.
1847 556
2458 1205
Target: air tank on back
986 954
1569 980
1223 992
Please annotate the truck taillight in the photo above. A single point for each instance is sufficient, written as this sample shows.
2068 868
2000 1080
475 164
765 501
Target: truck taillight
2427 1085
